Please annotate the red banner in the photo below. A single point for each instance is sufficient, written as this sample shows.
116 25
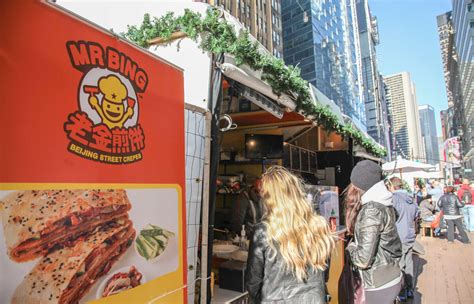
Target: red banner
87 116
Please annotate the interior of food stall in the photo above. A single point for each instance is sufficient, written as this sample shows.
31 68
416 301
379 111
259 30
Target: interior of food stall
252 140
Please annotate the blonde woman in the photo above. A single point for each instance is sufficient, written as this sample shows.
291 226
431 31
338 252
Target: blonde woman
290 247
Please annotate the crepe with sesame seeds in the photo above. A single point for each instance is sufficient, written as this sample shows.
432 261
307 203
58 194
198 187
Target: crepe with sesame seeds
65 275
35 222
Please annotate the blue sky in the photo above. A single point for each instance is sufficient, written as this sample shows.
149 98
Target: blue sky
409 42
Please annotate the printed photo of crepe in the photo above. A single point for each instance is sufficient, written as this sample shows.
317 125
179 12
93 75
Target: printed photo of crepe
65 275
36 222
73 245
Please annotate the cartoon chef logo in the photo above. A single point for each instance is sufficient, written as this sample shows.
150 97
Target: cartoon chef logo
106 126
112 109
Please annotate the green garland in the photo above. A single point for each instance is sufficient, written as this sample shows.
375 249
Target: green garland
219 36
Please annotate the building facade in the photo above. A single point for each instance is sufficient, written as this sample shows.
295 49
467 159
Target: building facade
372 85
463 25
445 123
429 134
454 114
388 116
262 18
322 38
404 116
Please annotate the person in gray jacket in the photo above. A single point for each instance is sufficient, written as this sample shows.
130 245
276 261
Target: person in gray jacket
427 208
407 213
376 247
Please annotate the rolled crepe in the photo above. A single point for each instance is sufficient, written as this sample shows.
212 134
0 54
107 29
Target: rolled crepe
65 275
34 222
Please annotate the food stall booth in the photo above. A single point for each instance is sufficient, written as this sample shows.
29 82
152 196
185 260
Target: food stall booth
257 133
228 84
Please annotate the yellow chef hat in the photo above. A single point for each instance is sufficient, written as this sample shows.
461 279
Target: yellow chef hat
113 89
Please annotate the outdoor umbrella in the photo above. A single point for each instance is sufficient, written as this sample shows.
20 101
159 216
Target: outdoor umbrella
404 165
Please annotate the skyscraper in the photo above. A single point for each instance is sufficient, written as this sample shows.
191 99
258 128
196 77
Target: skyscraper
261 17
372 85
404 115
429 134
463 24
451 75
322 38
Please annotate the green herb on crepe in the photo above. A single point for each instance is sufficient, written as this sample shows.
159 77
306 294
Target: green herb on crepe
152 241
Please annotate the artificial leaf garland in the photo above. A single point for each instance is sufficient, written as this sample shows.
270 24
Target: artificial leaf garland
219 36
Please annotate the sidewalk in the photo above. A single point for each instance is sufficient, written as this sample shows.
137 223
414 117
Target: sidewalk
445 272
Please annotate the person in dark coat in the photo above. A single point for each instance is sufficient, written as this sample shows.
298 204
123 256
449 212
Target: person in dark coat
290 247
376 247
247 209
407 213
449 203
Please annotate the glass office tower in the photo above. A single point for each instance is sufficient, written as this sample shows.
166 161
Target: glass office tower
321 37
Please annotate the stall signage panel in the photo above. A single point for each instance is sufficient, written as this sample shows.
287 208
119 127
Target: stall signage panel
91 165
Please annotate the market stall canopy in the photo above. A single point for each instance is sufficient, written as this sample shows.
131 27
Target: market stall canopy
319 97
247 77
220 33
406 165
358 150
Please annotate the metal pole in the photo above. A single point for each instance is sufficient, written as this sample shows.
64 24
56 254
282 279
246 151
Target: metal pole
205 209
215 101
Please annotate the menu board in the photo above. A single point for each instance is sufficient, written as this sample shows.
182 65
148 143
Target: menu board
91 165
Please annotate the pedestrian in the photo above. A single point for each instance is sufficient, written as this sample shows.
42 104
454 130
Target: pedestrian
290 247
427 208
247 209
407 213
436 191
375 249
465 193
418 193
450 204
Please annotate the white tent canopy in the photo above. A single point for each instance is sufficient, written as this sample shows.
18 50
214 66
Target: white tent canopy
424 174
405 166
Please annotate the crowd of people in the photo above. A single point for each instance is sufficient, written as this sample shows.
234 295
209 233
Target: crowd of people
446 204
291 245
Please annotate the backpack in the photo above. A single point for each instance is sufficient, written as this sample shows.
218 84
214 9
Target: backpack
467 197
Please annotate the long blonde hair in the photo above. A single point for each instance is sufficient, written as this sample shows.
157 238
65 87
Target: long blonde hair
302 237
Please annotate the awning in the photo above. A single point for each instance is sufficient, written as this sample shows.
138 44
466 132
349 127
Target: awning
359 151
248 78
320 98
349 120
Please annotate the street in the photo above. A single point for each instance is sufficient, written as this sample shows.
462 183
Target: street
445 272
